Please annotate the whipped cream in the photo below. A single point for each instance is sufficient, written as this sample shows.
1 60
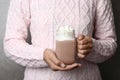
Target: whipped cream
65 33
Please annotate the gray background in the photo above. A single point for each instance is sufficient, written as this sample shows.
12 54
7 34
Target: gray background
110 69
8 69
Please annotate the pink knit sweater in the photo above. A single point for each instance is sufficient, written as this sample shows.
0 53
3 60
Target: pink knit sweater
89 17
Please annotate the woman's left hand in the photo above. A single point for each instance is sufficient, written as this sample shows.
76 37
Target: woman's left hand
84 45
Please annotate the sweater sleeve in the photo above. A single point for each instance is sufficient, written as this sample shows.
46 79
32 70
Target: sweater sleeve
15 45
104 39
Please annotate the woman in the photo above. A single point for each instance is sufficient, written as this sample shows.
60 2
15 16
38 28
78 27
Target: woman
95 33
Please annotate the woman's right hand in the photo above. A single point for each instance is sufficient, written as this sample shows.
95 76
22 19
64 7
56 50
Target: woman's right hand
55 64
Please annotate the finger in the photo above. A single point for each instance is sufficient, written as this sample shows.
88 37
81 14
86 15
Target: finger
80 37
72 66
57 61
82 42
86 40
85 46
54 66
81 55
84 52
57 68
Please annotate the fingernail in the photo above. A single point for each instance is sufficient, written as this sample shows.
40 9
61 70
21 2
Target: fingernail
79 65
62 65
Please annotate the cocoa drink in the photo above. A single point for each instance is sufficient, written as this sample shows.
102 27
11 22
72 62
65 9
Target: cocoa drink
66 45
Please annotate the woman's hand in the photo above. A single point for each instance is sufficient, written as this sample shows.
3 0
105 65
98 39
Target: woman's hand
84 45
55 64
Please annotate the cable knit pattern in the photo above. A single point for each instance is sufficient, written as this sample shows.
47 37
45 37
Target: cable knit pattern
60 10
107 45
85 16
89 17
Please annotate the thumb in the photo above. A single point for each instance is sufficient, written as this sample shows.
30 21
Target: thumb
72 66
80 37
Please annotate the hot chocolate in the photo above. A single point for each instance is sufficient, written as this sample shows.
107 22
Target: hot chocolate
66 44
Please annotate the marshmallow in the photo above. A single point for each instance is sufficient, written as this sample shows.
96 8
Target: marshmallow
65 33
